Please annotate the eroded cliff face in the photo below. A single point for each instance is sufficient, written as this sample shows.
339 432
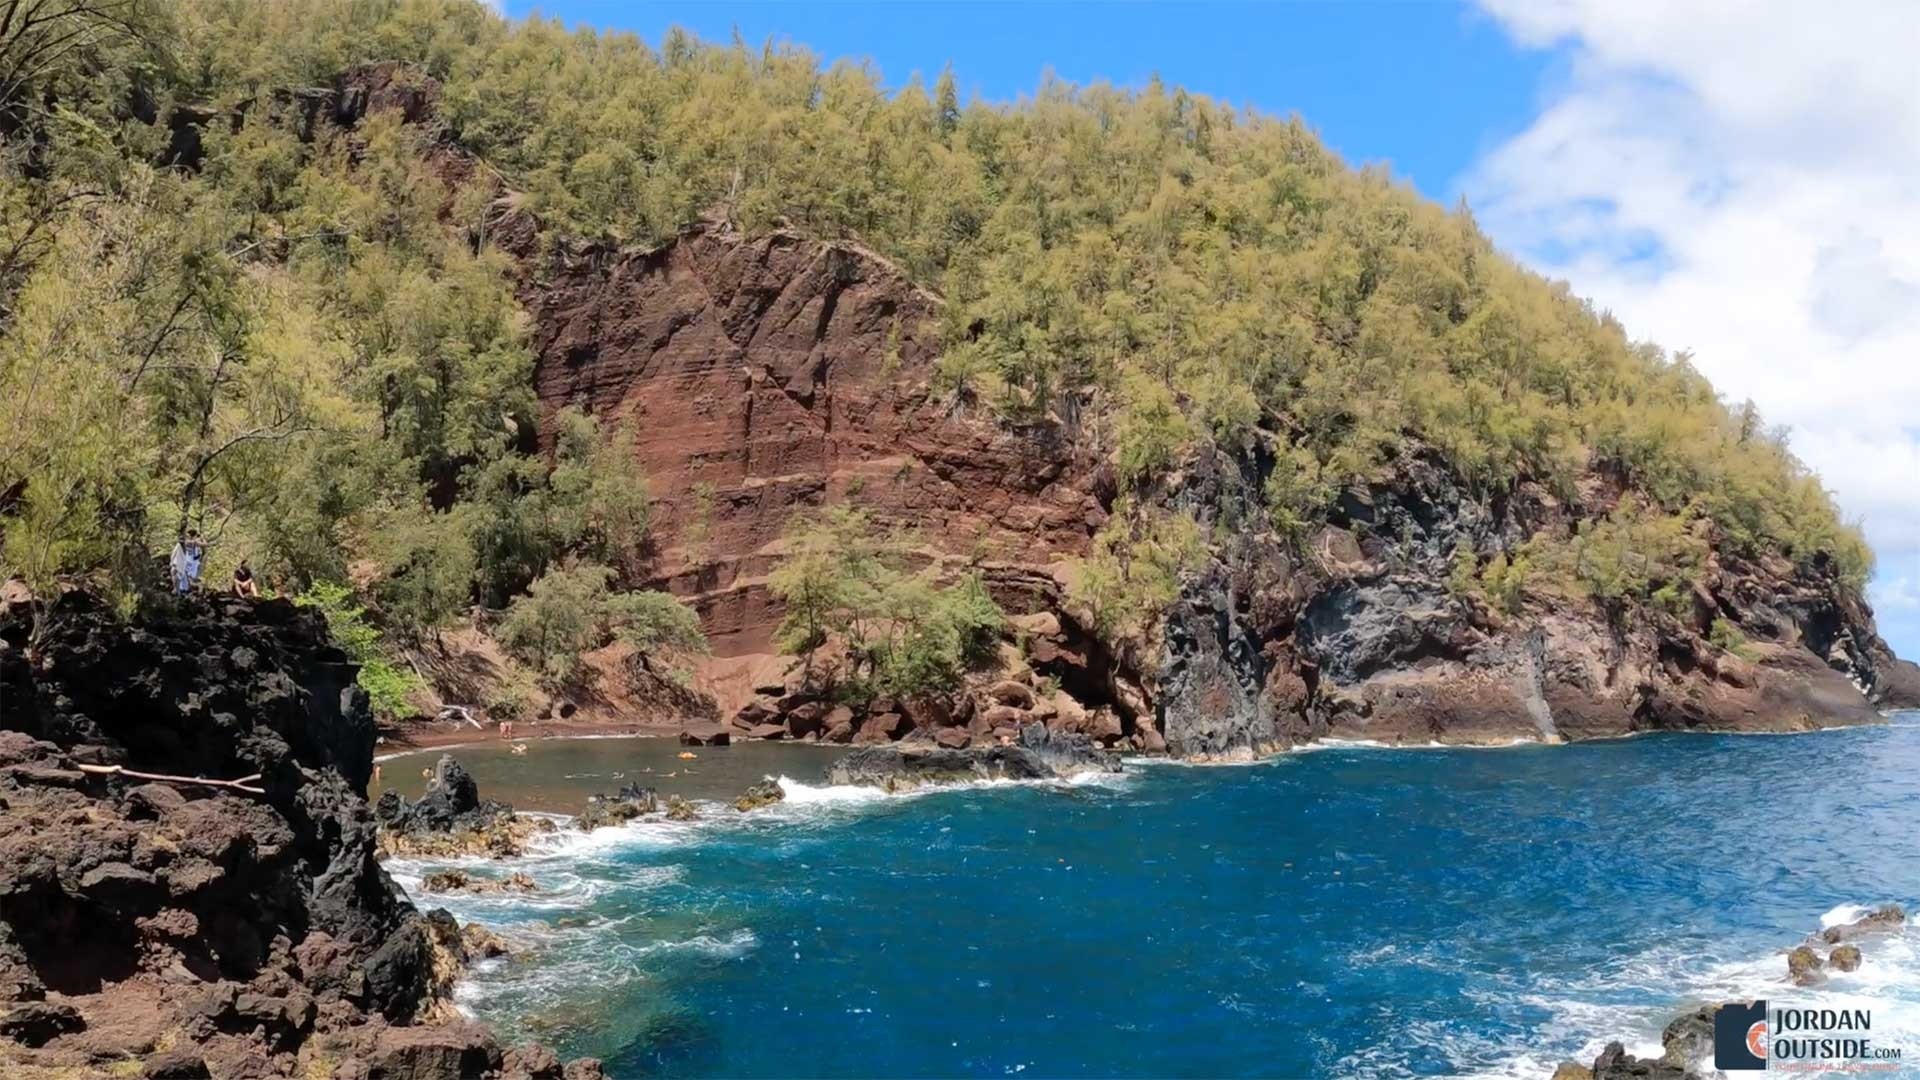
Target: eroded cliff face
768 374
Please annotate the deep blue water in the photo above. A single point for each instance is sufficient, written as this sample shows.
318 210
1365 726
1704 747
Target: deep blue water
1344 912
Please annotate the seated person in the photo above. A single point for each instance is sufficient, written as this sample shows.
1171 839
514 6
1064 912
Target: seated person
243 581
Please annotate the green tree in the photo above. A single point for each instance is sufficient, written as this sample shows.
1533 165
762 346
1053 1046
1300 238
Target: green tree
569 611
904 633
1135 571
389 687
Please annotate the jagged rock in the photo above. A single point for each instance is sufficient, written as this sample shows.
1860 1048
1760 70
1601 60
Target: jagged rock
631 802
806 718
953 738
444 881
211 686
449 1052
705 735
533 1062
679 809
1614 1063
179 1064
1039 755
764 793
1803 966
253 924
480 943
1572 1070
231 1009
36 1023
1358 629
1844 958
1212 703
995 716
451 819
883 727
1688 1038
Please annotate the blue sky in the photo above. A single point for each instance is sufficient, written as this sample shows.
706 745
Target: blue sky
1736 186
1424 86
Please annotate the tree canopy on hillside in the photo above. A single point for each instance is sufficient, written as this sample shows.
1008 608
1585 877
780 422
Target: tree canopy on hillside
301 340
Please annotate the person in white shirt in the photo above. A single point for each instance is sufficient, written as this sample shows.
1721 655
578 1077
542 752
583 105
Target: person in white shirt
185 563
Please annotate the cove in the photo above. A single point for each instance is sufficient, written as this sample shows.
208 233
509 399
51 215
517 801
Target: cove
1344 912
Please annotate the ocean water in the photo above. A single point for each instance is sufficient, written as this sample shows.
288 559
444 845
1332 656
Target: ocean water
1348 911
557 776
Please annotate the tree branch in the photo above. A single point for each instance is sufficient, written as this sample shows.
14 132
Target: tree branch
241 784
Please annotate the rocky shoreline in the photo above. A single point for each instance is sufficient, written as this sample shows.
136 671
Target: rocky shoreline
1687 1040
189 874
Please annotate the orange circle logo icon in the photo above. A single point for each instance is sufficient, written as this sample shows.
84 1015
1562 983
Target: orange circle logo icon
1757 1039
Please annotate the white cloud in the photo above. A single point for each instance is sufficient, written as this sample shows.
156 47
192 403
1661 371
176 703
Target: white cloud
1743 181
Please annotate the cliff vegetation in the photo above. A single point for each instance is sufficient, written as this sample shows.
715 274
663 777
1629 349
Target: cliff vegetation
265 269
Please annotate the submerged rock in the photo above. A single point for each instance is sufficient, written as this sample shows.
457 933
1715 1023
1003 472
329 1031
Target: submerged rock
1844 958
1039 754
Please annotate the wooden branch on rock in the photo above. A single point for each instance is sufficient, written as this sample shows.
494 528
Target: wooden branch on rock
242 784
459 712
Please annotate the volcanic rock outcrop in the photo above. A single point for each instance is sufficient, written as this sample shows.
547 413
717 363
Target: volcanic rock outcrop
451 820
1039 754
188 874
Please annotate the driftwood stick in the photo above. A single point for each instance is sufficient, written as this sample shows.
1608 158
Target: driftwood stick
242 784
459 712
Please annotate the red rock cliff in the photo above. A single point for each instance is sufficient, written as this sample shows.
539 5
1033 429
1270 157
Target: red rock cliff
767 375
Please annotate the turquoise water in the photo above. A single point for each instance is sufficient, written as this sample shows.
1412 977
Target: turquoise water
1343 912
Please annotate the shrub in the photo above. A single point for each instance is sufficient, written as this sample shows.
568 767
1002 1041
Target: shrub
905 633
1135 570
568 611
388 686
1725 635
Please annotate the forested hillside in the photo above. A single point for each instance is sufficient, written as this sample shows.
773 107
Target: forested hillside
222 307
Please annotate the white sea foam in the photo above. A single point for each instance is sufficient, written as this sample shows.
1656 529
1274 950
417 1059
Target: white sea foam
1664 981
854 795
1842 915
799 794
739 943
